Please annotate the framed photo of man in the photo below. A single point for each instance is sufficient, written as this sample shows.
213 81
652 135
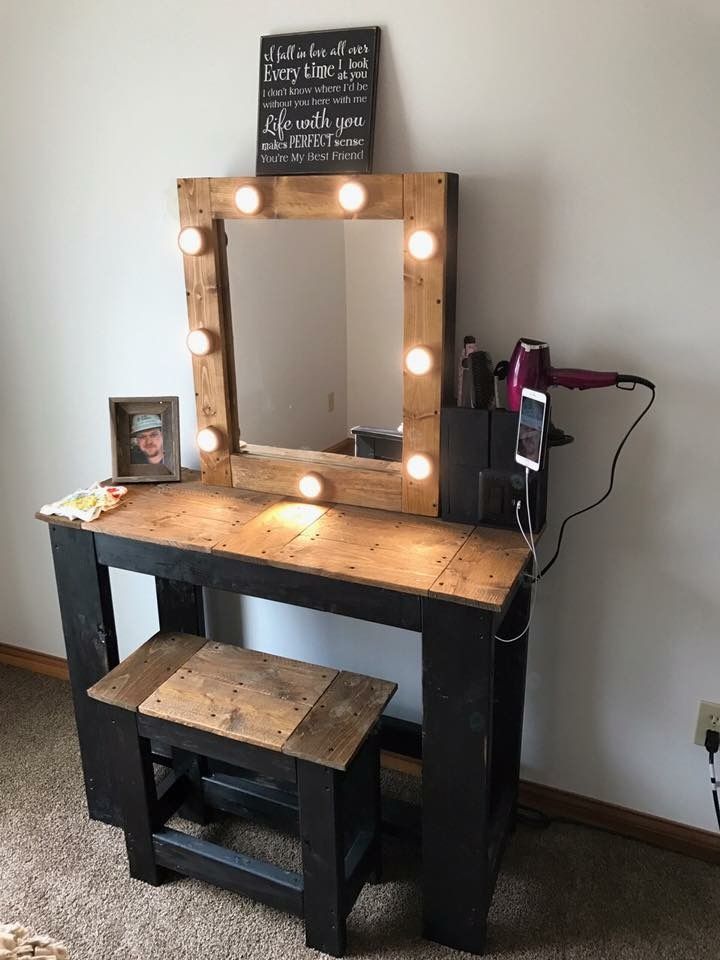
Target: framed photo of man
145 435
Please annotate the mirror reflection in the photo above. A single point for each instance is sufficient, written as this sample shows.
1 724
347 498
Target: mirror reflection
317 320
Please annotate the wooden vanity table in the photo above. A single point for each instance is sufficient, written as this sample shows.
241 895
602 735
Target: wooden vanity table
367 542
456 585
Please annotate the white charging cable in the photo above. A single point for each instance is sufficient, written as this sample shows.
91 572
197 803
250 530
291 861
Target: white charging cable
535 567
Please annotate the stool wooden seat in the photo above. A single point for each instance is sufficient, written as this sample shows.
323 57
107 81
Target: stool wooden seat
308 726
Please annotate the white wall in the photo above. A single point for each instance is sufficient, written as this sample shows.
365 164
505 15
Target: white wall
585 134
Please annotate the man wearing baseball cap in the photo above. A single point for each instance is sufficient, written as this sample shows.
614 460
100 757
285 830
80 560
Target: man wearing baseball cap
147 437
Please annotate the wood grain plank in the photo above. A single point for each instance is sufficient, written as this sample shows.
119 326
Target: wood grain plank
425 319
438 539
167 527
131 516
225 709
60 521
309 197
228 504
394 551
233 511
203 288
357 563
342 483
133 680
485 570
261 537
335 729
294 680
322 458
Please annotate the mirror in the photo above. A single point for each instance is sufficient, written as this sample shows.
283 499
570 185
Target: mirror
317 326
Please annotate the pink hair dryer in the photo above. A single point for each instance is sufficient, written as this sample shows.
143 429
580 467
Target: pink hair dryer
530 367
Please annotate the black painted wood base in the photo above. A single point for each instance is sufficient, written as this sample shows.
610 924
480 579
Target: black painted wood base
473 690
338 815
212 863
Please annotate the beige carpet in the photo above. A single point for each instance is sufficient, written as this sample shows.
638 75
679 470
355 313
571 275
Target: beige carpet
565 892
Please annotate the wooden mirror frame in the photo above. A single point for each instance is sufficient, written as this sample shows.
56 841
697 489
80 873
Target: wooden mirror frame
423 201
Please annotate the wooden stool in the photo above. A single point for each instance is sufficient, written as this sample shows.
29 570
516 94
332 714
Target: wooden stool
309 726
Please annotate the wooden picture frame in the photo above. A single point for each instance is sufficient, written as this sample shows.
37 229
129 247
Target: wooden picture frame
128 415
423 201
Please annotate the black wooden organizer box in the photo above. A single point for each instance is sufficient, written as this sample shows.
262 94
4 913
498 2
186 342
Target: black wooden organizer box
456 585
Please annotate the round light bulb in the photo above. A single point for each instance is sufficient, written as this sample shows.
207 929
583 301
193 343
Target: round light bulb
199 342
209 439
310 485
191 241
418 360
248 199
352 196
422 244
419 466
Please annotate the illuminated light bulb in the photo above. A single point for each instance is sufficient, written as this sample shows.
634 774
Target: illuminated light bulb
352 196
248 199
419 466
418 360
422 244
209 439
199 342
191 241
310 485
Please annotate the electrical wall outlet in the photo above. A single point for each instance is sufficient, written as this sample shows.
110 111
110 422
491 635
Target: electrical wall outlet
331 402
708 719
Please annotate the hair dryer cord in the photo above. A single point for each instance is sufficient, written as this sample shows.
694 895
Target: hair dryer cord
622 379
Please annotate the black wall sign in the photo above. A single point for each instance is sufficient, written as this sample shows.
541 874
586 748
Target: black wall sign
316 107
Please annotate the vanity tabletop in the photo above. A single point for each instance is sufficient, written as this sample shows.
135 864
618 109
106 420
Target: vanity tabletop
479 566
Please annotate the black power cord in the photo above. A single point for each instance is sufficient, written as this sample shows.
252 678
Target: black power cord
712 741
622 378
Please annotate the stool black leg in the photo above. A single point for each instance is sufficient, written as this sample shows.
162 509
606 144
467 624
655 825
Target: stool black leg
194 768
321 831
362 792
377 805
137 794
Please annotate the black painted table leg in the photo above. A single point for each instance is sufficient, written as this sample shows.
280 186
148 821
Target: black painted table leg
509 697
89 627
457 654
321 833
180 606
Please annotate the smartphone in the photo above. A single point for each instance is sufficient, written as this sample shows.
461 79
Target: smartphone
532 429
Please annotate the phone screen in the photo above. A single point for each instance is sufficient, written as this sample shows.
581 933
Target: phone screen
530 432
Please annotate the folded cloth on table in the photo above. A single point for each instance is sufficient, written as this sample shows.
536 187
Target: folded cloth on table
86 504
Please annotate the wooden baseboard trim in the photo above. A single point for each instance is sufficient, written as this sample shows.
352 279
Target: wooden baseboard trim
34 660
401 763
557 804
563 805
668 834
